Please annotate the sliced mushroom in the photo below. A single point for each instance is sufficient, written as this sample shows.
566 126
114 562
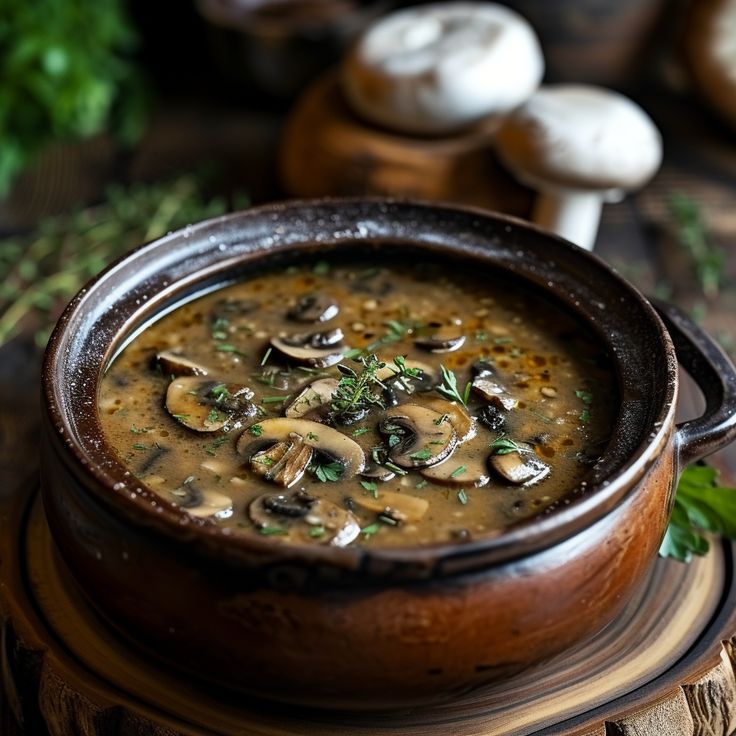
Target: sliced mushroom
443 340
493 417
425 381
205 405
314 308
312 399
482 369
466 467
322 438
494 393
462 422
283 463
176 364
318 350
520 466
377 472
424 436
202 503
300 517
401 507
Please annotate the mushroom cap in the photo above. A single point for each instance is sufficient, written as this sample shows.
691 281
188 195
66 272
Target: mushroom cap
580 137
440 67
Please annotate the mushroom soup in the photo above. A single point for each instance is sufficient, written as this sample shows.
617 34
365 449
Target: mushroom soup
352 404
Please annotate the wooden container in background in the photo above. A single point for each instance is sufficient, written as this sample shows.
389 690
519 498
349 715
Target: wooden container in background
326 150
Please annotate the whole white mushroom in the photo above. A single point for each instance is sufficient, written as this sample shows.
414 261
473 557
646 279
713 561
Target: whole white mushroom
579 146
437 68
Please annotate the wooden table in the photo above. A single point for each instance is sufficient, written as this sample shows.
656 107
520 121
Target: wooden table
662 669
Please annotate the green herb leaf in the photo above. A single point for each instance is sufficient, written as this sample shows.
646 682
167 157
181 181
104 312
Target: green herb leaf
361 430
272 531
328 473
370 530
212 416
700 506
458 471
585 396
503 446
421 484
256 430
317 531
424 454
266 356
449 388
228 348
462 496
212 448
355 394
140 430
372 488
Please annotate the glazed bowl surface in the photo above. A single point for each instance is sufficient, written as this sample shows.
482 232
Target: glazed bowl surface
379 627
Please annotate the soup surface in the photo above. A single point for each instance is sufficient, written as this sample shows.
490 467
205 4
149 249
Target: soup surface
351 404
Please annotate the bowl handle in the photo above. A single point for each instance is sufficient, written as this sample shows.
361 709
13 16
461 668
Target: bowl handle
715 375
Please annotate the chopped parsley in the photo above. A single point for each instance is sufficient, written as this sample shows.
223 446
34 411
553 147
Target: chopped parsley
212 448
458 471
213 416
370 530
225 347
256 430
272 531
360 431
462 496
220 392
424 454
266 356
317 531
140 430
330 472
372 488
421 484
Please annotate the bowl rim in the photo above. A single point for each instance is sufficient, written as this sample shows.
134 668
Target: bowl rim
114 486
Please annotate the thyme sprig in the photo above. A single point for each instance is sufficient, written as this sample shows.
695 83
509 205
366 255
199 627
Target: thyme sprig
41 272
449 388
355 393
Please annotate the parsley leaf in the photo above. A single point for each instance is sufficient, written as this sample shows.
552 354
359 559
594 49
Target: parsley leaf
700 506
328 473
449 388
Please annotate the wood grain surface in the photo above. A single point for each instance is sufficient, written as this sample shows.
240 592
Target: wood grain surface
661 669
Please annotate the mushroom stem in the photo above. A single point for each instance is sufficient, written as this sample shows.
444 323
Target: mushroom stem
573 215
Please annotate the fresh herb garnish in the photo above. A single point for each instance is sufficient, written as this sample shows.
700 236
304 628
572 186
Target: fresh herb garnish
312 436
458 471
180 417
421 484
317 531
503 446
272 531
330 472
212 448
354 394
449 388
225 347
263 460
424 454
266 356
462 496
700 506
370 530
372 488
441 420
219 328
585 396
256 430
708 259
219 392
140 430
140 446
361 430
212 416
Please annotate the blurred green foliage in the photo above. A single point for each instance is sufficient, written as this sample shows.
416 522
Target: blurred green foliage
65 72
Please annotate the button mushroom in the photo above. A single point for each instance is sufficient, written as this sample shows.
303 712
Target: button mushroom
320 437
401 507
313 399
204 405
197 502
494 394
318 350
466 467
284 463
443 66
517 463
462 422
417 436
299 517
314 308
175 364
579 146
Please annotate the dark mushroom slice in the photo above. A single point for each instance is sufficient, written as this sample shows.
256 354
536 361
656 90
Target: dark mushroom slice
443 340
520 466
314 308
494 393
202 503
401 507
492 417
320 437
377 472
204 405
313 399
465 468
284 463
317 350
426 380
456 414
173 363
303 518
424 437
482 369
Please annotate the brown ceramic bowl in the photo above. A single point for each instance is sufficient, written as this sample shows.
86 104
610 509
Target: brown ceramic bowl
378 628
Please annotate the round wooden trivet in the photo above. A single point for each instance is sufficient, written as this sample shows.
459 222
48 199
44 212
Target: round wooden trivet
661 668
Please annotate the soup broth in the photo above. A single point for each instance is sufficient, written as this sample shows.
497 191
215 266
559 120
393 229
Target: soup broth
350 404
